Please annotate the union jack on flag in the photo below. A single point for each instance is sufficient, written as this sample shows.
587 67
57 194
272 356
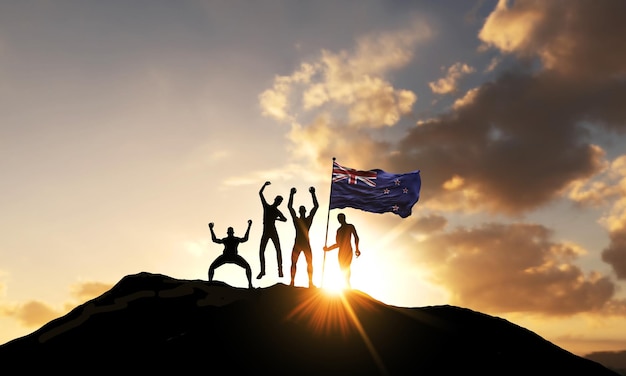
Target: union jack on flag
381 192
353 176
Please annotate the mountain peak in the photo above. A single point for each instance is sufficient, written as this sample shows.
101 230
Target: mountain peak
152 322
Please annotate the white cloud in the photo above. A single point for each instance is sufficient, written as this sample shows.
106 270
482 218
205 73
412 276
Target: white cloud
335 100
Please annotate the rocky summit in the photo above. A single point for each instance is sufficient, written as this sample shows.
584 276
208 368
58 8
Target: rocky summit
150 323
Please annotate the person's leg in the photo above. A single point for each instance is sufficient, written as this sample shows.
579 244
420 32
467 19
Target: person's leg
294 260
308 255
219 261
244 264
279 254
264 239
345 259
211 272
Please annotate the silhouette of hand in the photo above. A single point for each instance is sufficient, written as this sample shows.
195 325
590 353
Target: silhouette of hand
293 190
267 183
325 249
357 253
312 189
249 222
211 225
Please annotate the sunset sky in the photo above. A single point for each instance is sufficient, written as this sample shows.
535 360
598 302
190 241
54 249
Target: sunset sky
127 126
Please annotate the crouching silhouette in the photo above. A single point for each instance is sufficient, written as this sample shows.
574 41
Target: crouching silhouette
230 254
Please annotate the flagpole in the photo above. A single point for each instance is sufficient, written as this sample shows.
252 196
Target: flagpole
327 219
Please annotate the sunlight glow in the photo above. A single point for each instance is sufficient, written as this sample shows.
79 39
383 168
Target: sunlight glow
329 313
333 283
368 343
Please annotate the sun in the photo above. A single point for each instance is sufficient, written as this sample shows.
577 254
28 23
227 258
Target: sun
333 283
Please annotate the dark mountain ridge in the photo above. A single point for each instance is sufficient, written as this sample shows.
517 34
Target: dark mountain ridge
154 323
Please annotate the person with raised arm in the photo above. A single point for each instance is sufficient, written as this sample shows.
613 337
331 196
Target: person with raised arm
230 254
271 214
302 243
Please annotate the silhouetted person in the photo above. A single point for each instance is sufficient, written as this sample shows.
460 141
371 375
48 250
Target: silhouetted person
230 254
301 244
270 215
345 232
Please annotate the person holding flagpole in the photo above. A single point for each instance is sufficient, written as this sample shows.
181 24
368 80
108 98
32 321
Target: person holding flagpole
373 191
345 233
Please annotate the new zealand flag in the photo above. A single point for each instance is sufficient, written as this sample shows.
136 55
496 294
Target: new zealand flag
374 191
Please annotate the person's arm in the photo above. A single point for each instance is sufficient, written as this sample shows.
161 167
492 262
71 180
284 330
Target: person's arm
280 216
290 203
261 192
315 203
336 245
331 247
213 237
357 252
245 237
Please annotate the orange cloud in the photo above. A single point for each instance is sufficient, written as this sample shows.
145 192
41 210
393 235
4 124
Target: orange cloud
35 313
513 268
608 189
274 102
30 314
448 84
511 28
85 291
321 138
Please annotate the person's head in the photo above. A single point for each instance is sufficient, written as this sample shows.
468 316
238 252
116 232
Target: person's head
230 231
302 211
278 200
341 218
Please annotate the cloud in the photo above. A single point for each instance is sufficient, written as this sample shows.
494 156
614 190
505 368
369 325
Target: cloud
355 82
608 190
513 268
334 101
515 143
30 314
349 80
448 84
518 142
575 37
615 307
35 313
602 189
322 138
495 61
430 223
467 99
508 146
88 290
274 102
615 253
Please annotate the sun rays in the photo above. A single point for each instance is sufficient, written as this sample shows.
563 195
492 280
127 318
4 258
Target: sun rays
331 311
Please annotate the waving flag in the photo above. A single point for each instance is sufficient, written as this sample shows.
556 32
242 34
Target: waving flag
374 191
